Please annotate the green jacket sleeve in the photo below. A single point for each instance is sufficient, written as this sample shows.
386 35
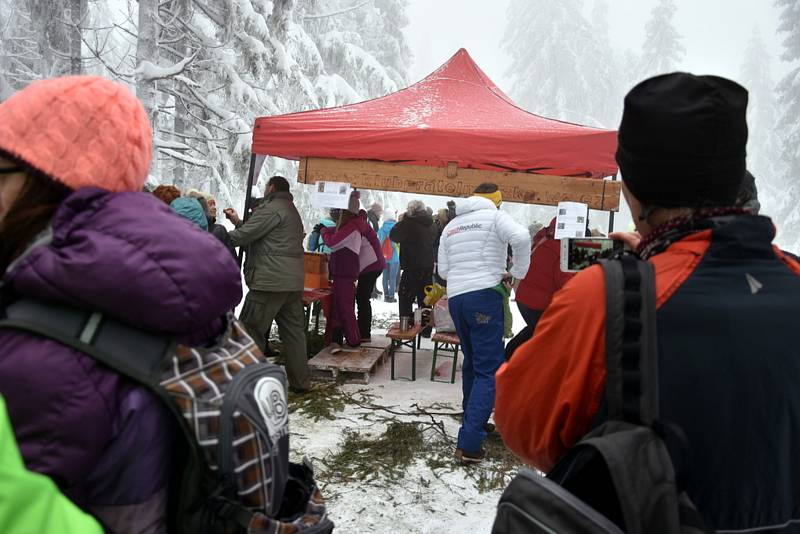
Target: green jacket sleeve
257 226
30 502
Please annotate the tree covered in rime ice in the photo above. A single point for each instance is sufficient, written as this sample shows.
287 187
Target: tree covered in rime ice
561 65
662 50
763 145
39 39
205 70
788 216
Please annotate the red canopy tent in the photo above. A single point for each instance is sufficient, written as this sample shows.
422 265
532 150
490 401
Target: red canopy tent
443 135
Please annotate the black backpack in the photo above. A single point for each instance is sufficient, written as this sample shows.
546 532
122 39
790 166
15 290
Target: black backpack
620 476
232 472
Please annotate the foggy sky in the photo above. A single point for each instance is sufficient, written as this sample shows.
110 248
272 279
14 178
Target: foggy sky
715 33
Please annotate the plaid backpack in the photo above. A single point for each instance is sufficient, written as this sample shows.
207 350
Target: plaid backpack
233 472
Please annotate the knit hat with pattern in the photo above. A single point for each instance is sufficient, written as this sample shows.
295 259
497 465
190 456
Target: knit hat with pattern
80 131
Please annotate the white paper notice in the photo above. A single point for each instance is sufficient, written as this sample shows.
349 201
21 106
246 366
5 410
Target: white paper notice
331 194
571 219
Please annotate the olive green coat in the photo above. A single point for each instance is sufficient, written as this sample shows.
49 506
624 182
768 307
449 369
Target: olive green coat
273 240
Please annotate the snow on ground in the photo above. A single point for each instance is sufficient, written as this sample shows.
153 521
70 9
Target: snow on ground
432 494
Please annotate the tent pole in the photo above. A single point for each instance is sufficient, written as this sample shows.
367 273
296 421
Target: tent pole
246 213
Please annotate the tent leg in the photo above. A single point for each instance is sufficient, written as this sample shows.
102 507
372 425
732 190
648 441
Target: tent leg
610 221
246 213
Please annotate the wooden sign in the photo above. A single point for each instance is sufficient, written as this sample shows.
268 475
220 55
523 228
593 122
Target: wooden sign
452 181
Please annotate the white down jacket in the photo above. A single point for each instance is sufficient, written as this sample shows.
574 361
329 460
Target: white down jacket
473 247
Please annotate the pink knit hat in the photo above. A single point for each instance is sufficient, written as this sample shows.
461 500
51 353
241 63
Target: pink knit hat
81 131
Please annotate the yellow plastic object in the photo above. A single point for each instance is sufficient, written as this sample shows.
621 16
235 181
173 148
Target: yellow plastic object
433 293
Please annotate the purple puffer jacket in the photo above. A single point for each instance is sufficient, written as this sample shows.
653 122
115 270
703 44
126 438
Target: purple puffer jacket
104 440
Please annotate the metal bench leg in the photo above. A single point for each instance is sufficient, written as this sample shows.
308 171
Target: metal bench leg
317 313
413 361
455 362
391 355
433 365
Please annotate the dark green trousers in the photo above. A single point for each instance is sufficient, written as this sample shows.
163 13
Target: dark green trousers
286 309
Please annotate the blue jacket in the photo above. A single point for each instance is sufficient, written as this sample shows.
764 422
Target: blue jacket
315 243
383 234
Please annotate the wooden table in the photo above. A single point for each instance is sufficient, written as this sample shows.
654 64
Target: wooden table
311 296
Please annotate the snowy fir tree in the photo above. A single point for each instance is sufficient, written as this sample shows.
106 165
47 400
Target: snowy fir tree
558 62
662 51
763 146
788 216
205 70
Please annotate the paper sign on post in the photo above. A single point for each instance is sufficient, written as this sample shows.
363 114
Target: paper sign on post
571 220
331 194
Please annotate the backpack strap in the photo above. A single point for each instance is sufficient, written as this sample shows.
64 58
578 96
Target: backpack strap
129 351
631 350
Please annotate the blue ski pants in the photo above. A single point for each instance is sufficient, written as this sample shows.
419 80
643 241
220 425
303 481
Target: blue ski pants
478 317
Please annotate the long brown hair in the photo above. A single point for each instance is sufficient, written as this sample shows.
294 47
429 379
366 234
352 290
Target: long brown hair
345 217
29 214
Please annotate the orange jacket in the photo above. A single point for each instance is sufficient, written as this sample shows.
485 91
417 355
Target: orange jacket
550 391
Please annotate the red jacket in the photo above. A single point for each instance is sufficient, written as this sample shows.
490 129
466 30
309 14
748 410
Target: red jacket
544 276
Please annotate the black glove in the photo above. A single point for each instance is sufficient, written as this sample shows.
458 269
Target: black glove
318 227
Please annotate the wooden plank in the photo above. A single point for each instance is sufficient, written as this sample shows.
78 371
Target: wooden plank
451 181
353 362
378 342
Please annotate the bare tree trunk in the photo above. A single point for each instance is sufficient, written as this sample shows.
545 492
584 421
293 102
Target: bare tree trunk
179 127
78 9
147 50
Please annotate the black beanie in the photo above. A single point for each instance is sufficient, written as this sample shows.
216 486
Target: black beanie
682 141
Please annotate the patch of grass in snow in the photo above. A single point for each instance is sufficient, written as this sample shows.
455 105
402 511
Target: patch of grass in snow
322 402
362 457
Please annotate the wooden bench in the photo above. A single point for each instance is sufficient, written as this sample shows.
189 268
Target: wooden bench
446 342
409 339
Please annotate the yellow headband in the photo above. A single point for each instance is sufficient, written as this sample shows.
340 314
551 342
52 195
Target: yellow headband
496 197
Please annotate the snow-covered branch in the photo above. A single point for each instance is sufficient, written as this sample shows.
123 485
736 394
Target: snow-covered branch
183 157
172 145
337 13
148 71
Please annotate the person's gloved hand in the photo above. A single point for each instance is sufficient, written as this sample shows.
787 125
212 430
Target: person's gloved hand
317 227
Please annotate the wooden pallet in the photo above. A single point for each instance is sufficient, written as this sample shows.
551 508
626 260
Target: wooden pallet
348 363
378 342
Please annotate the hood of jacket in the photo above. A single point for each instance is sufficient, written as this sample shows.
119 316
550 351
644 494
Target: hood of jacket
191 210
468 205
385 228
128 256
424 219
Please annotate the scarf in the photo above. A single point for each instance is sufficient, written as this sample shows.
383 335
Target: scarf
678 228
